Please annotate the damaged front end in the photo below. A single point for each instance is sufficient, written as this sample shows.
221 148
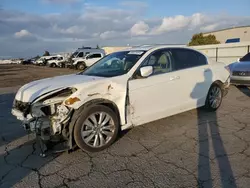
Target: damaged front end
46 116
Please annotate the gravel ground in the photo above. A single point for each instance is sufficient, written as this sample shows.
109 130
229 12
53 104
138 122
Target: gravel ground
17 75
192 149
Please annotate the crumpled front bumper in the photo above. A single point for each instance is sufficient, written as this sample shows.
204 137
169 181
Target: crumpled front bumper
25 120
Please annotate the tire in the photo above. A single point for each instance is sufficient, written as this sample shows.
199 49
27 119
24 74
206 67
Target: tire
87 136
53 65
62 65
81 66
215 94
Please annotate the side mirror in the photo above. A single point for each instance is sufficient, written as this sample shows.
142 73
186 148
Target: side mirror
146 71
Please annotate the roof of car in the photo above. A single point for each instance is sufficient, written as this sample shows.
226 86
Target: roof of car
150 47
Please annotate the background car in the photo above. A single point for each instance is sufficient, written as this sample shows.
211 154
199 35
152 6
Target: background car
240 71
87 61
28 61
58 61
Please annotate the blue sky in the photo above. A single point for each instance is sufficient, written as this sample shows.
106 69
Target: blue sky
155 7
29 27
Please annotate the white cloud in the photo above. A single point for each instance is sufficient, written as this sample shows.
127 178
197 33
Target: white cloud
107 35
23 34
171 24
210 27
197 19
70 30
140 28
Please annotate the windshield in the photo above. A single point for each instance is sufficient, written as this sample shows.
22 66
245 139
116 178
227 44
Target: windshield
246 57
74 54
115 64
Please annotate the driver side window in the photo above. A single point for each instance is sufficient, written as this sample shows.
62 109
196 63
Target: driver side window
161 61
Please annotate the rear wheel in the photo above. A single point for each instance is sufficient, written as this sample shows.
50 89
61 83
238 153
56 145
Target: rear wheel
96 128
214 97
53 65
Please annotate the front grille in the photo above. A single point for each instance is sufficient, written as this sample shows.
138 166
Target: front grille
241 73
21 106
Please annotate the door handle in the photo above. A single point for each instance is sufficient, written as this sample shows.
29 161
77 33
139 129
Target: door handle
174 78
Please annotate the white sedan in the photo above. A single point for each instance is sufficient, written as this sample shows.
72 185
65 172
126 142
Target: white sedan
122 90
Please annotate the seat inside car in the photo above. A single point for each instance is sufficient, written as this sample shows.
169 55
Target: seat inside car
164 63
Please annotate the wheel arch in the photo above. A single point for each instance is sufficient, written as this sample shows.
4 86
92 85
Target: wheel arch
76 113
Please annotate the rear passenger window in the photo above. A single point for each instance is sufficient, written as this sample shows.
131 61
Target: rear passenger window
202 59
184 58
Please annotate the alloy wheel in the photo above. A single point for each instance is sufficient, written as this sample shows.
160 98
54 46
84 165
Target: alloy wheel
215 97
98 129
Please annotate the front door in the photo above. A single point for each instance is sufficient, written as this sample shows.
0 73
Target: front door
159 95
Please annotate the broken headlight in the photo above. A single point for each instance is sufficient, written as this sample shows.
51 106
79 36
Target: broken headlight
48 106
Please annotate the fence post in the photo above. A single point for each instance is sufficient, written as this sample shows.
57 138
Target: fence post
216 57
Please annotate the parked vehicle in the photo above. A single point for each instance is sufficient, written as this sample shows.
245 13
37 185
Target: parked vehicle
240 71
28 61
87 61
43 60
122 90
80 54
58 61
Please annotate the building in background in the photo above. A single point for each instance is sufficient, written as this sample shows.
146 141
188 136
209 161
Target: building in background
232 35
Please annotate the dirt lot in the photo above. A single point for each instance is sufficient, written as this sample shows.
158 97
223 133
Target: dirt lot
17 75
193 149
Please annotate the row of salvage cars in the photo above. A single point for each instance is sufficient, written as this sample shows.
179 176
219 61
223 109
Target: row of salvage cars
80 59
122 90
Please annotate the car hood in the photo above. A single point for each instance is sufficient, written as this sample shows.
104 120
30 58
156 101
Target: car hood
241 66
33 90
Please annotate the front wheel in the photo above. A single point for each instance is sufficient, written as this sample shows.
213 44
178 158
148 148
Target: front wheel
96 128
81 66
214 97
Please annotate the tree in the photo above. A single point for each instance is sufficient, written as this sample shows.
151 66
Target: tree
97 46
46 53
199 39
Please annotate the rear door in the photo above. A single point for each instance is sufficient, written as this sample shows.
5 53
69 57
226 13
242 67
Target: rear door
192 67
